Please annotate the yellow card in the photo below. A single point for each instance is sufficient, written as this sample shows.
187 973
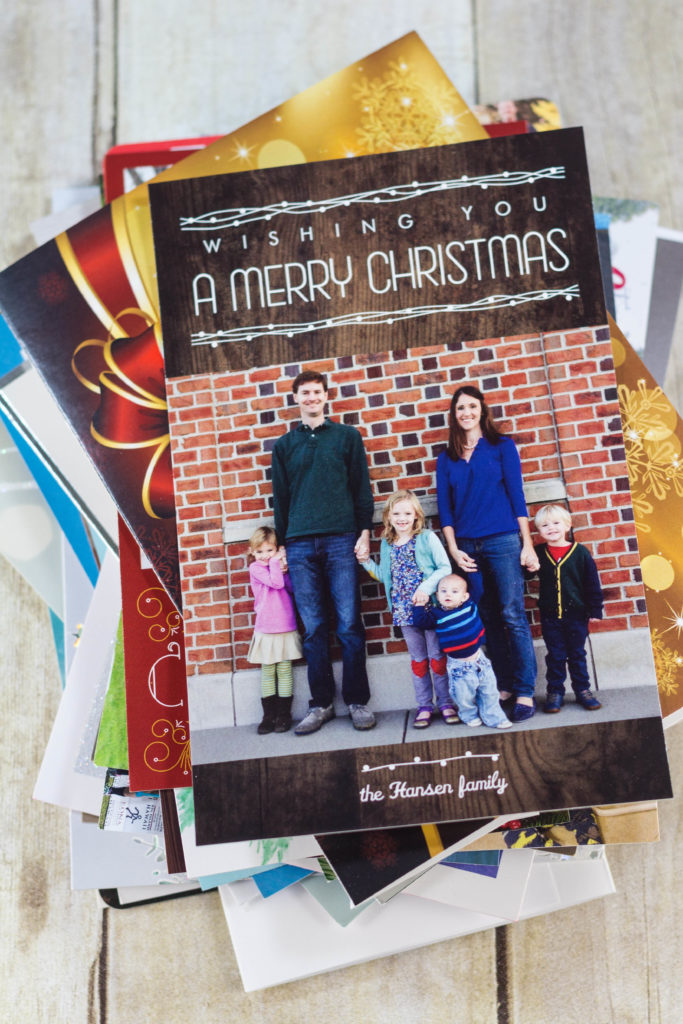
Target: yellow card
653 435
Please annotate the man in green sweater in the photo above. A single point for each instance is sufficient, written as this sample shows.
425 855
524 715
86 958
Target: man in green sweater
323 513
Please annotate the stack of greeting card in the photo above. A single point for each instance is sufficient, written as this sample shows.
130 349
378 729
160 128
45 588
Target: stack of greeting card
371 642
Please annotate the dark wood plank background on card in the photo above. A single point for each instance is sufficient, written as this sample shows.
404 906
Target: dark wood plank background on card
444 231
619 762
366 862
81 75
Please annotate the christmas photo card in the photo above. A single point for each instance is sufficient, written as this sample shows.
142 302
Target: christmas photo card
392 282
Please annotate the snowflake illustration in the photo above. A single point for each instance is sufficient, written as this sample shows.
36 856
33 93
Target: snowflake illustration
668 663
641 509
162 550
655 468
379 848
663 470
643 411
399 112
53 287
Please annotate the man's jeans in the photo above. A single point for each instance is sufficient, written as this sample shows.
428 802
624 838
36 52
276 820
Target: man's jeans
324 569
498 589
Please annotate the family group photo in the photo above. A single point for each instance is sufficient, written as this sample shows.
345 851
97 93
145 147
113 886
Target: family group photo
431 539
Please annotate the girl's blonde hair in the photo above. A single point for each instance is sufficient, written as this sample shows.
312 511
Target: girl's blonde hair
389 533
264 534
544 514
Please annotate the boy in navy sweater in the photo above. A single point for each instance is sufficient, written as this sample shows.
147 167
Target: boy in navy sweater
570 595
460 631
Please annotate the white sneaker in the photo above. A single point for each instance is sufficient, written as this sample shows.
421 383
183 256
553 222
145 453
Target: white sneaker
504 725
362 717
473 723
314 719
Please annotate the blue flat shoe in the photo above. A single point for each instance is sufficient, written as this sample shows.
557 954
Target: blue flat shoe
522 712
553 702
586 699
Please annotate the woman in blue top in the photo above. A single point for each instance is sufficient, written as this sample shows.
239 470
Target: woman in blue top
485 524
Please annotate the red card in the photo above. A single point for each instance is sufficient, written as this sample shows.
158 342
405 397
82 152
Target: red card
156 685
137 159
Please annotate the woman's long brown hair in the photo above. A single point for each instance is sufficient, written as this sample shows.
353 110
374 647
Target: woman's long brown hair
456 435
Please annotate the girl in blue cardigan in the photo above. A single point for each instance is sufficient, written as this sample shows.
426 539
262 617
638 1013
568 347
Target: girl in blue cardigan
412 560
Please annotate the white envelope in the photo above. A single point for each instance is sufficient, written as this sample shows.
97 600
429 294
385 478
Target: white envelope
270 951
502 896
67 776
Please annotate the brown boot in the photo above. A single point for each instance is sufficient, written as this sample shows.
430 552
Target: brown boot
267 724
283 714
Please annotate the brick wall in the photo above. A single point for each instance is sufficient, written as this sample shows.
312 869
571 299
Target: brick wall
554 394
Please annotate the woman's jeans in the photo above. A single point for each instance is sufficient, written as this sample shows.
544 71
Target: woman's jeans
324 571
498 589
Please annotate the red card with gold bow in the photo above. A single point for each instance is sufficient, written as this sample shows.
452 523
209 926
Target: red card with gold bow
85 305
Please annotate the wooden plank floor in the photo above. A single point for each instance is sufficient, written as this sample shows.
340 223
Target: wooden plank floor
80 75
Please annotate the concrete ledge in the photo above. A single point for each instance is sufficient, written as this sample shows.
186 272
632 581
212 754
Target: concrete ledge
619 660
623 659
211 746
536 492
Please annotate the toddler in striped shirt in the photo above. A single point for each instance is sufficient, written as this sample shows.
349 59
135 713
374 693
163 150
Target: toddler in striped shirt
461 634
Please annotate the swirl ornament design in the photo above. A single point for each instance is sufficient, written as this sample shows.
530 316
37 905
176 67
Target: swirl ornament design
171 747
150 605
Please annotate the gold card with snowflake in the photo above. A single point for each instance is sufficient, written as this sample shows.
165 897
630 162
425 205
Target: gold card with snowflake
653 437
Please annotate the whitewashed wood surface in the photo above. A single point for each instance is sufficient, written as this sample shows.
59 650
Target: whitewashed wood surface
80 75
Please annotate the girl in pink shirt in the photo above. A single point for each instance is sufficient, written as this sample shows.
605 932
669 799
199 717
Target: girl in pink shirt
276 642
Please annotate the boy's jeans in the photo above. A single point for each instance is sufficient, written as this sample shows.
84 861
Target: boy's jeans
474 691
565 640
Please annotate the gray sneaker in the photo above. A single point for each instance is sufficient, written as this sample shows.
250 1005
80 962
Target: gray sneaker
362 717
314 719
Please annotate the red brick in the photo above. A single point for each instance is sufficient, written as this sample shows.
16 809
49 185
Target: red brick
376 385
618 608
349 376
409 454
639 622
230 380
266 374
594 457
189 514
613 545
215 667
415 482
253 506
406 425
184 385
512 380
